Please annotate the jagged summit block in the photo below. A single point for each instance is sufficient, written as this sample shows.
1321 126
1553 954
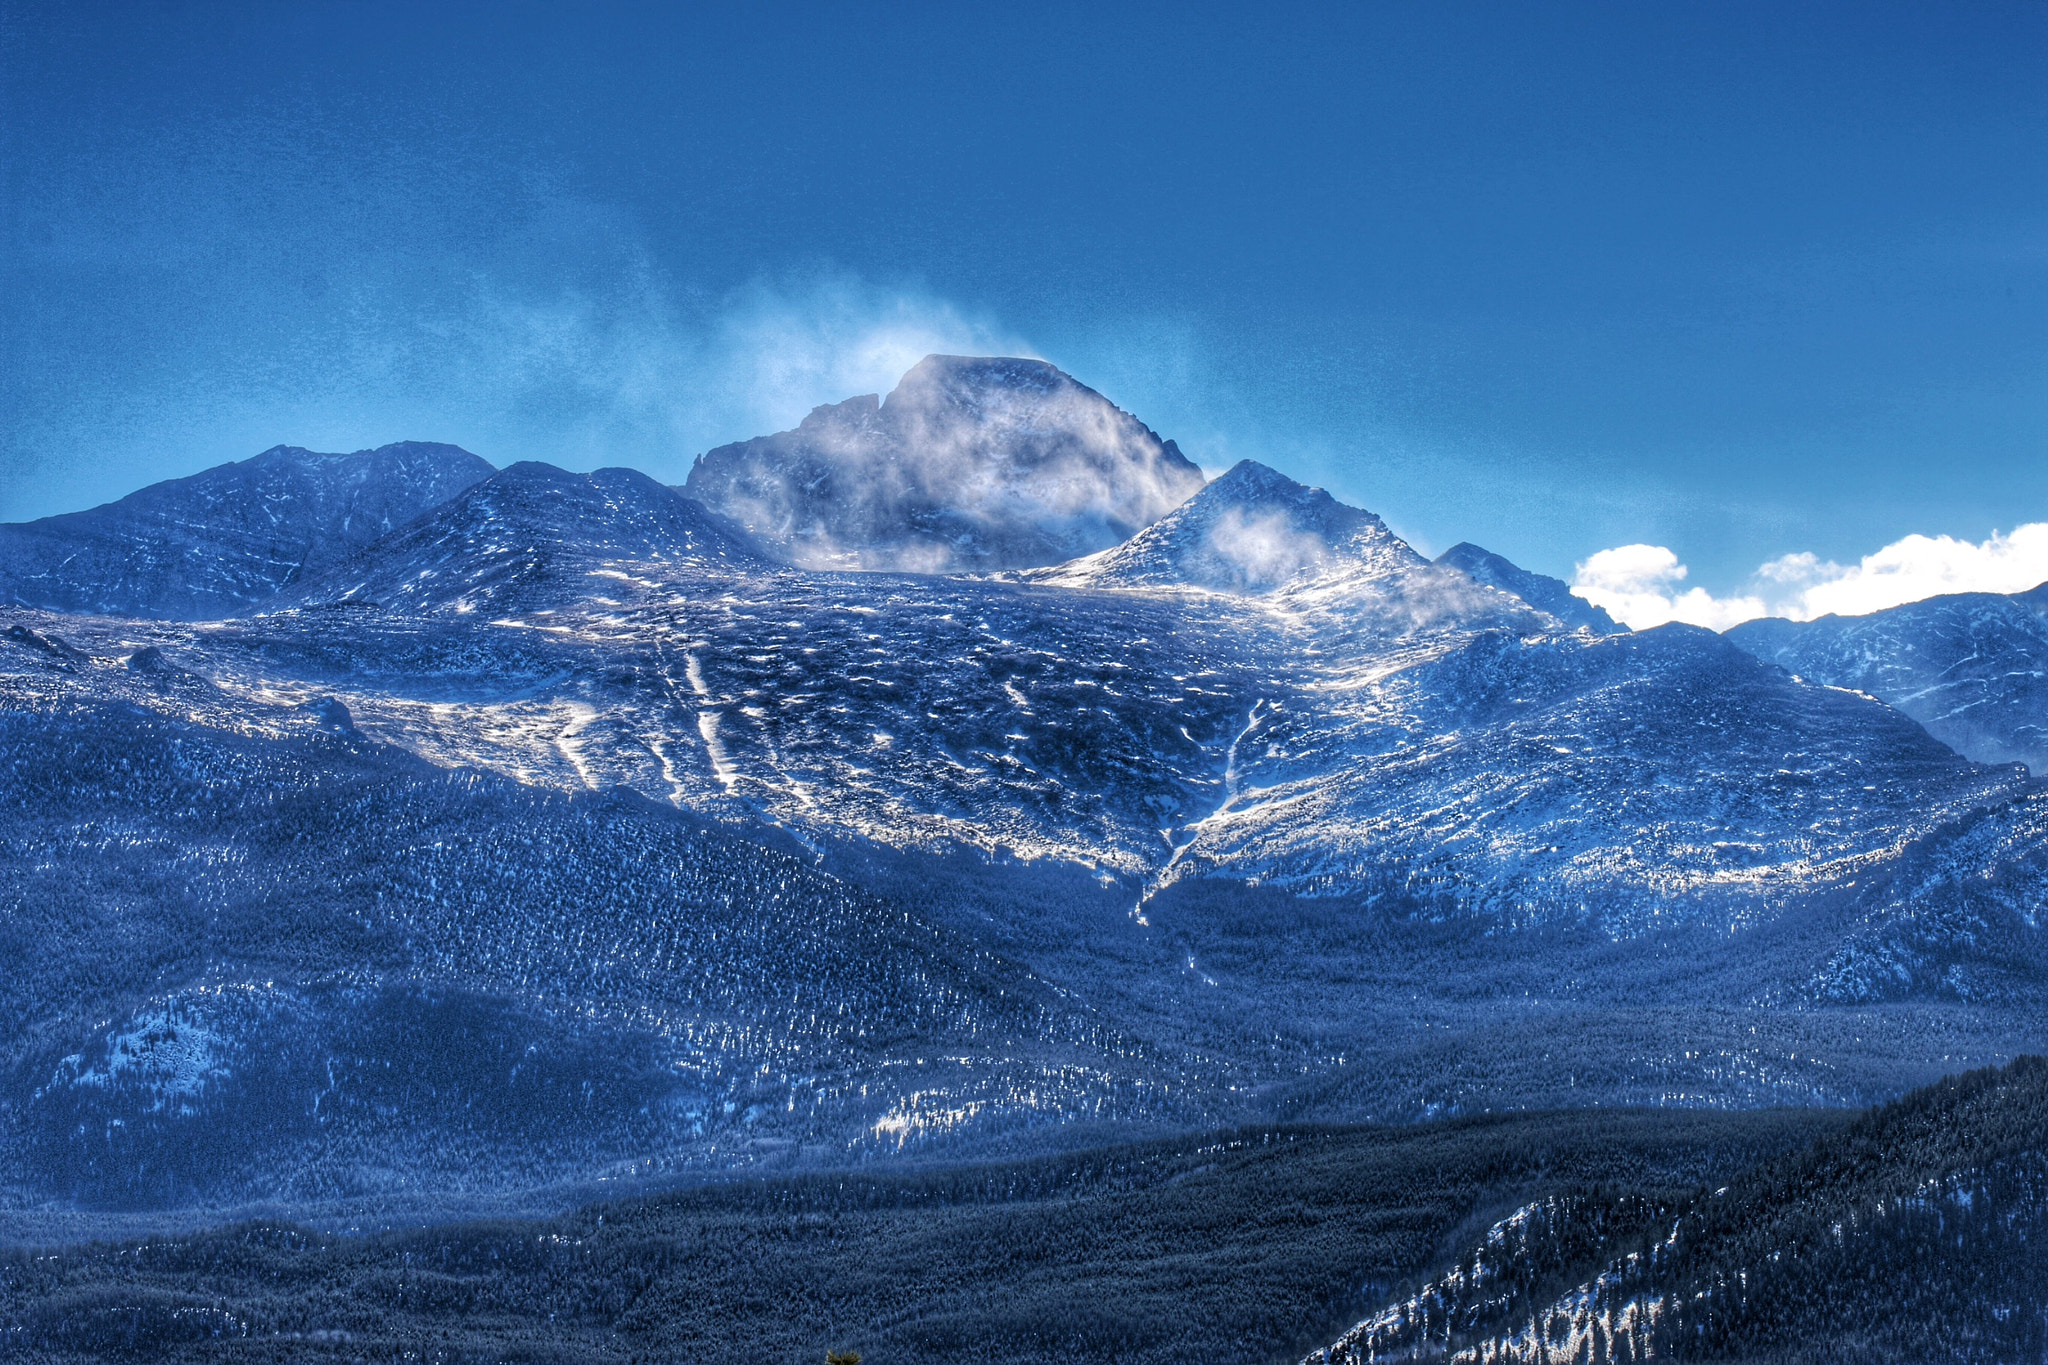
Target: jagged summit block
221 540
530 528
1540 591
970 464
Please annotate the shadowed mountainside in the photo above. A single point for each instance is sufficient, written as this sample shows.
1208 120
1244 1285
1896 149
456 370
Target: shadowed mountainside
1914 1234
1245 1245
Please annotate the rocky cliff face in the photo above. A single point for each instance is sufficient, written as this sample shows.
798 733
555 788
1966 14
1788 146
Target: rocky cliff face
970 464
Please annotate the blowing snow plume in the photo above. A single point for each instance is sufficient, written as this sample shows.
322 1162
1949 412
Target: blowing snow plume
1255 532
1252 531
969 464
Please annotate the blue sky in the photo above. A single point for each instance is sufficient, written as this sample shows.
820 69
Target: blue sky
1740 281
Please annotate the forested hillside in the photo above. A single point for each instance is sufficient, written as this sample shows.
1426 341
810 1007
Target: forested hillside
1915 1234
1246 1245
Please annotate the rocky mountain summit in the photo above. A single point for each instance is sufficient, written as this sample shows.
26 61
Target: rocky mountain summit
1255 532
211 544
970 464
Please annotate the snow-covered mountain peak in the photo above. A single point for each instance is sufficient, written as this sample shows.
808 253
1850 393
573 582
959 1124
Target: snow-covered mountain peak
971 463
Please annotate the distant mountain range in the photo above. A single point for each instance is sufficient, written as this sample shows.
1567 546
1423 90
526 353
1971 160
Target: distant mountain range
547 826
1972 667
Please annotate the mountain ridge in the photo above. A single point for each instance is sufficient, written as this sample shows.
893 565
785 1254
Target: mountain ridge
524 526
1540 591
223 539
1258 813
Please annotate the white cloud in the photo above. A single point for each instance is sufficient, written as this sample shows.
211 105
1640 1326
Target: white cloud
1639 584
1916 567
775 353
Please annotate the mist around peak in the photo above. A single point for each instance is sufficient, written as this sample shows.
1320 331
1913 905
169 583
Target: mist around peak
969 464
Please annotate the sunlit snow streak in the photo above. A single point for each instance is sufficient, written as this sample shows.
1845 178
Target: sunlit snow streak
580 717
1230 772
1163 878
695 673
676 791
721 764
